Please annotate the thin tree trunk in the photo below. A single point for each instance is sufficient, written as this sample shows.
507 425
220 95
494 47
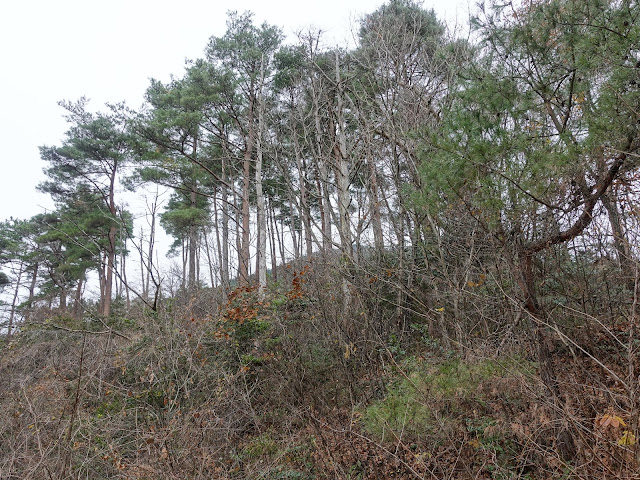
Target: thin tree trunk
565 443
401 292
111 249
323 173
208 252
620 241
376 217
102 272
272 244
305 213
225 230
117 283
108 283
145 281
261 251
246 179
341 168
152 240
198 252
224 281
63 299
293 229
242 267
14 303
192 243
243 254
77 301
280 235
342 184
124 274
32 291
184 243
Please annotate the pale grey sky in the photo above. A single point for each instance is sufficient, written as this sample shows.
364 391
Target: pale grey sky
107 51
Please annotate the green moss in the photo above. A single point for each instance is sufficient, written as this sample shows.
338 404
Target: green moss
250 359
262 445
418 401
109 408
400 413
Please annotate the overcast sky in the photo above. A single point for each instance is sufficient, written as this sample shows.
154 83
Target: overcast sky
52 50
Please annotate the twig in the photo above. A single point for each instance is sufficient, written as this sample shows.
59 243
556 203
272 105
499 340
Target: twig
103 332
74 410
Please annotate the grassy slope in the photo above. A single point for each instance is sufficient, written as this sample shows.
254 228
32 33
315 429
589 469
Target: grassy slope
287 387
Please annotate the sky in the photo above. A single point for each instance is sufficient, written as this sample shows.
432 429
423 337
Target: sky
108 50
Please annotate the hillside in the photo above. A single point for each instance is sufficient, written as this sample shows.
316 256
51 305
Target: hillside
290 386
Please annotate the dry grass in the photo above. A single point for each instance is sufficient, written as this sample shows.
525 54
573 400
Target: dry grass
289 387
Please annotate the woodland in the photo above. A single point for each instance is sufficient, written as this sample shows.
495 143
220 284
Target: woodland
415 257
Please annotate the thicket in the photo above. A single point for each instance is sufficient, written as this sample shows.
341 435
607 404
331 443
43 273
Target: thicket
289 385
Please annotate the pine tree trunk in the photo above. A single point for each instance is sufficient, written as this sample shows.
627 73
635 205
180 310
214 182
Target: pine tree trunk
77 301
198 252
124 274
242 267
221 260
184 243
152 238
261 251
292 229
144 272
111 248
341 167
272 243
101 279
210 263
323 174
243 272
280 235
620 241
192 244
225 231
14 303
63 299
108 284
305 212
32 291
342 184
376 217
565 442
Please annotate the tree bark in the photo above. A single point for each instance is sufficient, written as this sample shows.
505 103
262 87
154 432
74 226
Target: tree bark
207 250
376 217
342 174
293 228
323 172
192 243
272 242
111 249
244 254
14 303
77 301
32 291
261 251
225 229
565 443
242 267
620 241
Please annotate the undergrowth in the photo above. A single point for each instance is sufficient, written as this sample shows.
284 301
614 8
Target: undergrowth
285 385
